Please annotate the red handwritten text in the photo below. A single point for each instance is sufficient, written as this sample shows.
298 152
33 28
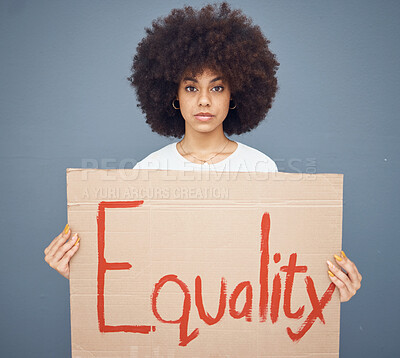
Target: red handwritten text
245 287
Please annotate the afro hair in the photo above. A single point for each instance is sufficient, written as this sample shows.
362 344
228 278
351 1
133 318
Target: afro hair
188 41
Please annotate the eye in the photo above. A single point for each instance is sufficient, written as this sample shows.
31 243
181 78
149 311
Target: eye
189 88
220 88
214 89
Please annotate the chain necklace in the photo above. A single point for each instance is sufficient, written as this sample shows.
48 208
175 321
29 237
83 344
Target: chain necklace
202 160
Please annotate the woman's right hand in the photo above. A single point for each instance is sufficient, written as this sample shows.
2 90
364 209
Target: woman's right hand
59 252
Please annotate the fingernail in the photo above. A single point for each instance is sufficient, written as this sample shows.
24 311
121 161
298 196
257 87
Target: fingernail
77 241
343 254
330 273
329 263
66 229
338 257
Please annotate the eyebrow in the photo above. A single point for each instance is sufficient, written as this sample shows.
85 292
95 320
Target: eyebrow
194 80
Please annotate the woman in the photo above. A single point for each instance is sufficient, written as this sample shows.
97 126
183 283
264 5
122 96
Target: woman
203 75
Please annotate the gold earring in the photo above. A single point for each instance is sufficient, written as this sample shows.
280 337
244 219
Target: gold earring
173 103
234 106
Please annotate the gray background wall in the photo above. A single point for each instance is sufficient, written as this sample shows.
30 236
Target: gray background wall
64 99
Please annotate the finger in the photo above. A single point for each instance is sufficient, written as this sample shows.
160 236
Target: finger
341 275
48 249
350 268
357 273
355 267
59 254
343 291
58 241
63 264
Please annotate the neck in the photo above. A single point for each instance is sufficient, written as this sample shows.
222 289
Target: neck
204 143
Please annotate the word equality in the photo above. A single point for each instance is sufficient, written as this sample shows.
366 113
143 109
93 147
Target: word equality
290 270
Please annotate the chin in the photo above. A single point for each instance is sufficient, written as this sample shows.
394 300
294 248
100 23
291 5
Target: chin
205 127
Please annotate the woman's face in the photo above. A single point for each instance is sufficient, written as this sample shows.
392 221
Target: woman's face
207 93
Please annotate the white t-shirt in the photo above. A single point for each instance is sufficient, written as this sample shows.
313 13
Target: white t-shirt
243 159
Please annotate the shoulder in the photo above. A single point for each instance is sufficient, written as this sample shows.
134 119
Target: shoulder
257 160
153 160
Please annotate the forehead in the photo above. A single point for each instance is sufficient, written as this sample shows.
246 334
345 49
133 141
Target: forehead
207 74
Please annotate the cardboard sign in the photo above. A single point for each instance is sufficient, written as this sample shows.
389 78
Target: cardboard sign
194 264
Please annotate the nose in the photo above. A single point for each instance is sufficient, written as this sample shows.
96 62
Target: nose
204 98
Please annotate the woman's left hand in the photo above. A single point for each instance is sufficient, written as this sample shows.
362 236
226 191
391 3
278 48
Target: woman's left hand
349 283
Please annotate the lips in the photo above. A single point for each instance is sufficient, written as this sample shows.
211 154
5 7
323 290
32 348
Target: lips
204 116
